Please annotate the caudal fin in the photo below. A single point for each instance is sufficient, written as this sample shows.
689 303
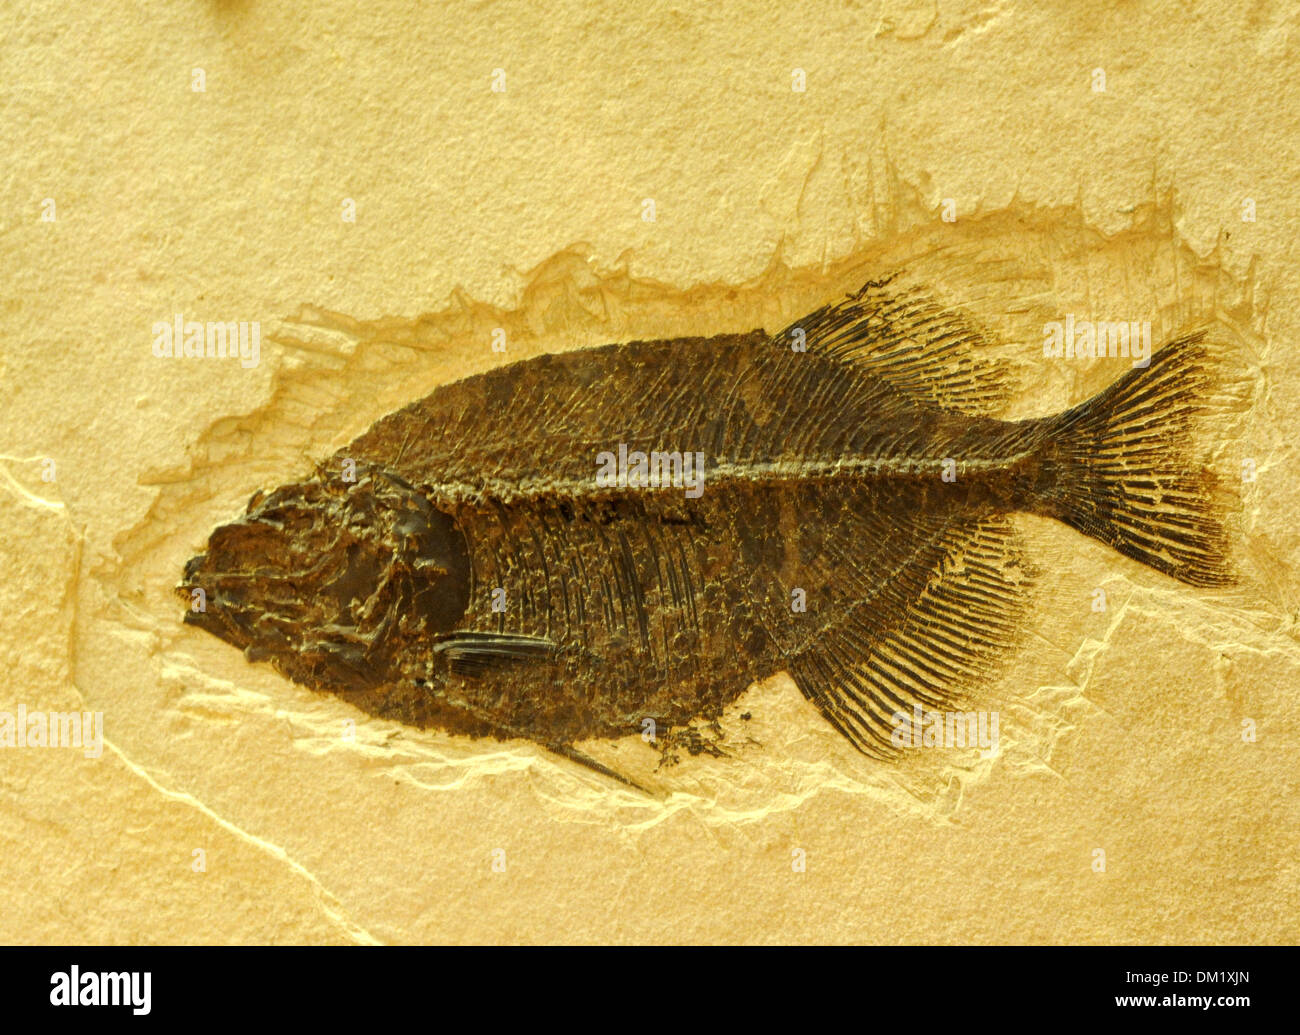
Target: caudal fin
1124 468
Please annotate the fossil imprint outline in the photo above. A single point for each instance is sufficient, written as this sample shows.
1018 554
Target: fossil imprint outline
509 577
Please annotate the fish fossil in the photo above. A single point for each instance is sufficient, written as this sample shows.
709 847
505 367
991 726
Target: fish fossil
565 547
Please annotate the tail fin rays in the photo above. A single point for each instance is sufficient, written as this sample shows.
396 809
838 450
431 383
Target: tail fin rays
1125 469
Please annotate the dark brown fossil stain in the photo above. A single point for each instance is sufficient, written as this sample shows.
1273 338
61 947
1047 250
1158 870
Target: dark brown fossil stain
459 566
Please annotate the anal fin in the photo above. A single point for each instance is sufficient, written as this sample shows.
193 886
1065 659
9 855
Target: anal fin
933 634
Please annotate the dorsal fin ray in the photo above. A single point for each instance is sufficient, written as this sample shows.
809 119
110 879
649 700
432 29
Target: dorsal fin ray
907 341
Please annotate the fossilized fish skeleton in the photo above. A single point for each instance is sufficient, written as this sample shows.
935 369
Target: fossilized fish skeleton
565 547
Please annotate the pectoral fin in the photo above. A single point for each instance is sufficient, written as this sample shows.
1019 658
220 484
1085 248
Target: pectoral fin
474 654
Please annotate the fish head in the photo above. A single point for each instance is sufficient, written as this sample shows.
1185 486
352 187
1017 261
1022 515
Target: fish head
334 582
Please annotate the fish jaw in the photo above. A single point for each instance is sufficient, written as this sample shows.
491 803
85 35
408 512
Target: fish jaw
320 578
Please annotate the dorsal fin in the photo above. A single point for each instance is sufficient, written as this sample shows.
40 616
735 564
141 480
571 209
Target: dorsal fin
910 343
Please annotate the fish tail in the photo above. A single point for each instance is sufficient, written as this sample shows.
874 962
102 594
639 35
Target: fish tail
1121 467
